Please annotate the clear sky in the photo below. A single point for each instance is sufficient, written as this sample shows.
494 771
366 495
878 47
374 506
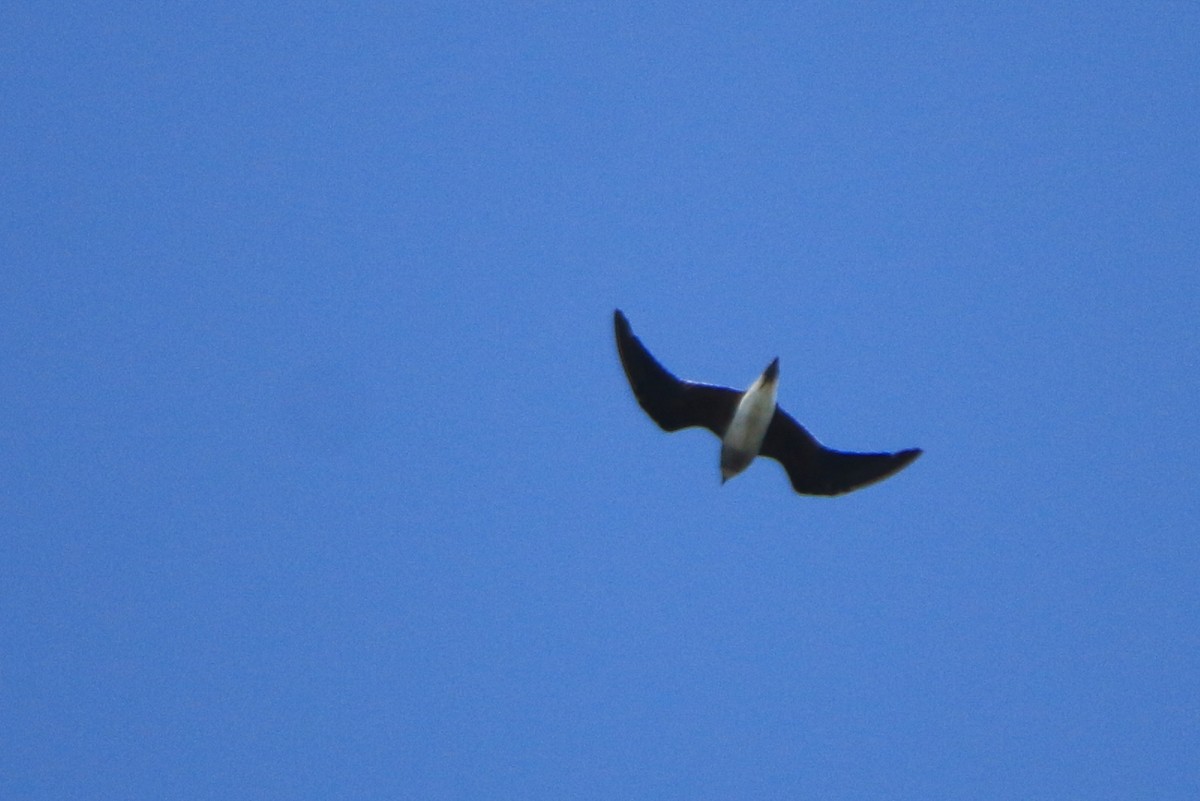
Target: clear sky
321 479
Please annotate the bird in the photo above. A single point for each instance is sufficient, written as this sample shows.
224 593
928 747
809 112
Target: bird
749 424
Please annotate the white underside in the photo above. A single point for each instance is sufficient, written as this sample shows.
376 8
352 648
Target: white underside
749 425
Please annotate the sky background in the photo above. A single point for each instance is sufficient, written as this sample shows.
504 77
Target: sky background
320 477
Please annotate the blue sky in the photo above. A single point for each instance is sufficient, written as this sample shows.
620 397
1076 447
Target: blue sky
322 480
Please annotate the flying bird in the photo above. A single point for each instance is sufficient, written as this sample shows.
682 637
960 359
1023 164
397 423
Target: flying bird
748 423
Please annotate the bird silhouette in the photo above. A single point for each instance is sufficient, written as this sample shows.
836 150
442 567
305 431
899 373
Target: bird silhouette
749 423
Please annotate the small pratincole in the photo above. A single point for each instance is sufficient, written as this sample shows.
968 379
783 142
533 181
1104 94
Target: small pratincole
748 423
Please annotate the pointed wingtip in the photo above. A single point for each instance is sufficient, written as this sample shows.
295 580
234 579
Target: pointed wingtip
902 459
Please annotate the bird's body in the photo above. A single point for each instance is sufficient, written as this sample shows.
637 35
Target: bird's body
744 436
749 424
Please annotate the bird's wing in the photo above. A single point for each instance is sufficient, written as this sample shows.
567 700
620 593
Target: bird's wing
817 470
670 401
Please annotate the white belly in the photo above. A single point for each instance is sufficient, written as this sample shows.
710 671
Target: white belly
744 437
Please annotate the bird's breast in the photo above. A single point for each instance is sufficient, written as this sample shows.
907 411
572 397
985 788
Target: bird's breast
751 418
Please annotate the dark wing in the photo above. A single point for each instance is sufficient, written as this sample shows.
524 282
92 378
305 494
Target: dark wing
817 470
671 402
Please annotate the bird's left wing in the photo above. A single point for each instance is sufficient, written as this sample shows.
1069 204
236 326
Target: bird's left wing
670 401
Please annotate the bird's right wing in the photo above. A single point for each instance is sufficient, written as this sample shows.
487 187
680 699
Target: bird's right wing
816 470
670 401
